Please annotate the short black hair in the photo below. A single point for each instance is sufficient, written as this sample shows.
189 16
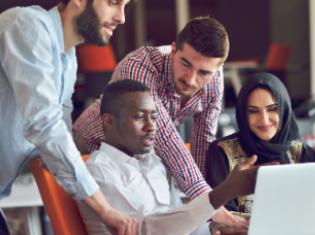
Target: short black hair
113 93
206 35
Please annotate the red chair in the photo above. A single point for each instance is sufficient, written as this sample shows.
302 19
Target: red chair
278 56
95 66
95 59
60 206
276 63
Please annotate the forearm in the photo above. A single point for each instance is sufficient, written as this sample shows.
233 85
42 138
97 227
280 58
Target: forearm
99 204
182 220
115 220
170 147
219 196
241 181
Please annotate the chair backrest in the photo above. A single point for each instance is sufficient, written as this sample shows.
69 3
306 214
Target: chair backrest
277 58
60 206
95 59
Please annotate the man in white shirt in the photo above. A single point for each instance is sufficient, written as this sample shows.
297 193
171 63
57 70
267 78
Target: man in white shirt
134 179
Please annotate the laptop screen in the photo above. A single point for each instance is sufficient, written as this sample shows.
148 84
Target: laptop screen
284 201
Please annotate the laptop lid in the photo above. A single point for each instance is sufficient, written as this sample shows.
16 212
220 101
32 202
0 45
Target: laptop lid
284 201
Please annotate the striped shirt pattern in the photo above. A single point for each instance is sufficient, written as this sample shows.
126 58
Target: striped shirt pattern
153 67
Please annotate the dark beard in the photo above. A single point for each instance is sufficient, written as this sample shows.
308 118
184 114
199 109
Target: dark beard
89 25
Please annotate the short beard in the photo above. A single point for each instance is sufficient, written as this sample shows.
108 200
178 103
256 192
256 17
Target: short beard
89 25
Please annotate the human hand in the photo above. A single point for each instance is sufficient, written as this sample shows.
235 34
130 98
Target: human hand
225 229
119 223
240 181
225 217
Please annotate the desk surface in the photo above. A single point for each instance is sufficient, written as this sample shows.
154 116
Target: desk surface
24 193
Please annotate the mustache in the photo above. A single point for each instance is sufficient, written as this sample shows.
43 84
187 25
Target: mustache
186 84
149 136
107 24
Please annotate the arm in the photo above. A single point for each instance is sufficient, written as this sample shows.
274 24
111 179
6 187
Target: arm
205 124
171 148
117 221
29 68
185 219
67 109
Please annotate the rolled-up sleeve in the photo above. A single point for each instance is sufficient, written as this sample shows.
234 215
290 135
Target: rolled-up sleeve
29 65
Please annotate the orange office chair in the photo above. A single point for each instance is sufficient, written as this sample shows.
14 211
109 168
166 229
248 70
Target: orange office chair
278 56
61 208
95 66
95 59
276 63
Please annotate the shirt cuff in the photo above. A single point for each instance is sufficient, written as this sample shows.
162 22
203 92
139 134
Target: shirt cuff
198 188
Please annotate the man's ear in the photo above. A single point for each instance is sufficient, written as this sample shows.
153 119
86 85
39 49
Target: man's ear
107 120
173 45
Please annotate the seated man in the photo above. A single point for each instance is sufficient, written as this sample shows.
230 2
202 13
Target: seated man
133 178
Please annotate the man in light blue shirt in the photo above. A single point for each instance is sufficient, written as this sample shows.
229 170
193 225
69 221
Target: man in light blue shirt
37 74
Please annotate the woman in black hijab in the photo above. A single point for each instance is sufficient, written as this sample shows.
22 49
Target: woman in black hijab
267 128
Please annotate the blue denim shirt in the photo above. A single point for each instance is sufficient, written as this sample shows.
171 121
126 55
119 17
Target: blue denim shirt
37 80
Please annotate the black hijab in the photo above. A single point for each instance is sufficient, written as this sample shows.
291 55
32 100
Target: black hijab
276 148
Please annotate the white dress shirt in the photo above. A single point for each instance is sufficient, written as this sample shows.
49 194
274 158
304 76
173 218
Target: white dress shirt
139 187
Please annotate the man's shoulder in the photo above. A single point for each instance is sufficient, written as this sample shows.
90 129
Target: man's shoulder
146 64
25 15
149 55
97 157
148 52
99 163
30 12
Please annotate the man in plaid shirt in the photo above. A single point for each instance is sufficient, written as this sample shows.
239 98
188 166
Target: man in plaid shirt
185 79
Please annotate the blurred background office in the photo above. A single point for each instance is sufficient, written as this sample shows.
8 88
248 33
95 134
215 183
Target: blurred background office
254 27
273 35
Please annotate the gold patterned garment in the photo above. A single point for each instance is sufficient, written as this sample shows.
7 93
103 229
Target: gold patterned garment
235 154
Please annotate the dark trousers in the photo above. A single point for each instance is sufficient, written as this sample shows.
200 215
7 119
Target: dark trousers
3 225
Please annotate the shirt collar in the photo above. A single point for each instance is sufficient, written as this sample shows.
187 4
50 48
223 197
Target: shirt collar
119 156
114 153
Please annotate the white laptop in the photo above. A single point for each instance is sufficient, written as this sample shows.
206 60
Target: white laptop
284 201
